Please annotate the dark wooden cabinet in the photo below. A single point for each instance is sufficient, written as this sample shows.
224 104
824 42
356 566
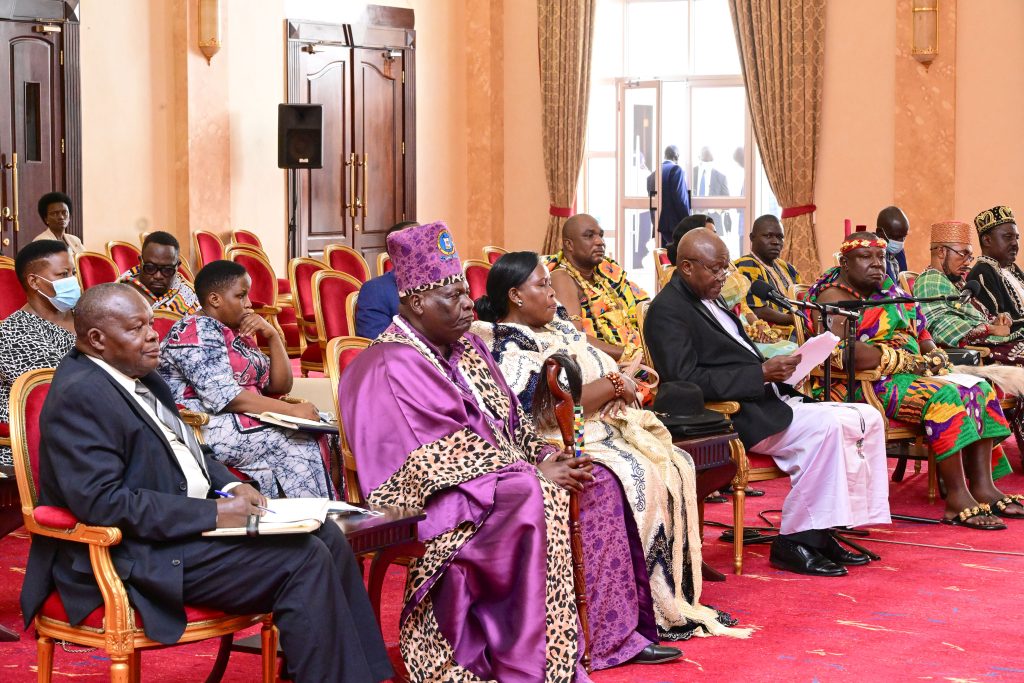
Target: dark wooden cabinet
364 76
40 126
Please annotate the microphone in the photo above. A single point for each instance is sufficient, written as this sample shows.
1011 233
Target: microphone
768 292
971 290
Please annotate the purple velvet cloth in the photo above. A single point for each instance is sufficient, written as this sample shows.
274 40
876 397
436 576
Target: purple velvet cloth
489 601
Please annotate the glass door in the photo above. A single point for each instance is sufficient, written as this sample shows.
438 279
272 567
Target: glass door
638 154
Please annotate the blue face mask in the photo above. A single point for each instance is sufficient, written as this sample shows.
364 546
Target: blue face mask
892 246
66 293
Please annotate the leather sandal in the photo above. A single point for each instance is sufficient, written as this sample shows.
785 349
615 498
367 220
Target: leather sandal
969 513
999 506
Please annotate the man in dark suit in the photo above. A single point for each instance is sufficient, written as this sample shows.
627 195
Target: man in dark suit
675 202
708 181
116 453
833 452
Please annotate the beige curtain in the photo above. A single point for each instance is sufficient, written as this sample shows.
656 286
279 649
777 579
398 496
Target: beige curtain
565 30
782 47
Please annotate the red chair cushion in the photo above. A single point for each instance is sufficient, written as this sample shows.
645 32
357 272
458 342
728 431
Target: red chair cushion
760 460
283 286
291 335
493 256
163 326
125 256
663 259
95 271
900 424
53 608
476 277
246 237
261 292
5 430
303 298
12 296
388 266
349 263
55 517
311 354
346 357
334 293
34 406
210 248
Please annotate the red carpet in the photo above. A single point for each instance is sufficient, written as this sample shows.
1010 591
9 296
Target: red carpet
919 614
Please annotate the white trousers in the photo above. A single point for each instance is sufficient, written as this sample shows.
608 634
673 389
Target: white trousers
836 481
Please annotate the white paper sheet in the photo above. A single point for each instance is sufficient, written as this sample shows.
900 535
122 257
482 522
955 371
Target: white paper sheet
812 353
960 378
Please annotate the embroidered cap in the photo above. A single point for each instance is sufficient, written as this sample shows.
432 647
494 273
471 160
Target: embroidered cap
997 215
424 257
951 232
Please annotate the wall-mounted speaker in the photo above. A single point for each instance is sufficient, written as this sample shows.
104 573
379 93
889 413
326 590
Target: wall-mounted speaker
300 142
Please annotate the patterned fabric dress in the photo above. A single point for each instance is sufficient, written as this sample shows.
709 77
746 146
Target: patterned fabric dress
953 416
27 342
657 478
779 273
608 303
207 365
180 297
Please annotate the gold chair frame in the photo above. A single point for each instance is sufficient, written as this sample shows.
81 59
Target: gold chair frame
331 248
267 312
383 258
321 327
91 254
121 637
307 330
492 249
335 347
197 254
234 239
119 243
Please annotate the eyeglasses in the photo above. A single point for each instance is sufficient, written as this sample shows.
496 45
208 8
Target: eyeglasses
718 271
966 255
154 268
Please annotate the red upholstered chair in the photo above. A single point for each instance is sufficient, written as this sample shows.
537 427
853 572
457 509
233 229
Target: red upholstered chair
124 254
300 275
12 296
207 246
94 269
331 292
185 272
263 290
907 279
347 260
246 237
163 321
384 264
492 254
662 268
114 627
476 276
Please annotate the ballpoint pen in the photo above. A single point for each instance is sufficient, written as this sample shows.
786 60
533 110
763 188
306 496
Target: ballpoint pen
225 494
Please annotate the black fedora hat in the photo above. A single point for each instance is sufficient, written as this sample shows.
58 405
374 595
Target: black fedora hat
680 407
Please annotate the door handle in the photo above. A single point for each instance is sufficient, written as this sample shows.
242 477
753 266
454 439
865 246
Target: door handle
6 213
366 183
350 170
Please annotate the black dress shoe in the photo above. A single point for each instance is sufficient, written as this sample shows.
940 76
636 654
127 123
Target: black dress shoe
834 551
656 654
802 559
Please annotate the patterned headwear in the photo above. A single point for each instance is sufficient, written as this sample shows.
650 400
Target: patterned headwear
850 245
424 257
997 215
951 232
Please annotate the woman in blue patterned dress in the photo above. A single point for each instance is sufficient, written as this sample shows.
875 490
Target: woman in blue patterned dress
212 364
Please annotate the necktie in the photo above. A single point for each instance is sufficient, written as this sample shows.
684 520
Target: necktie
703 191
172 422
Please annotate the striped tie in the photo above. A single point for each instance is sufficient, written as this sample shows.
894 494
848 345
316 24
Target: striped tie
173 422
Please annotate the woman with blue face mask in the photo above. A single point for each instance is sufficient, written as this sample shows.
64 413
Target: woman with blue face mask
40 333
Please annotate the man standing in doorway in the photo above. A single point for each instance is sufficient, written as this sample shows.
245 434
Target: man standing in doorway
675 205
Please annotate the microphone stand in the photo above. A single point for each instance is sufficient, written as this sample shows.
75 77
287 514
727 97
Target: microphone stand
826 310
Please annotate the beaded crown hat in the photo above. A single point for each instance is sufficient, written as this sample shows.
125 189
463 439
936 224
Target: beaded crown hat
990 218
951 232
424 257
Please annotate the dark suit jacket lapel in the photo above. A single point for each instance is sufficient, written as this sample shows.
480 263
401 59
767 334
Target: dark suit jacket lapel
712 320
136 408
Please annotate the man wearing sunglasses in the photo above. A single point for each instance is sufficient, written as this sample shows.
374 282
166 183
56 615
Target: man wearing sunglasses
157 278
962 323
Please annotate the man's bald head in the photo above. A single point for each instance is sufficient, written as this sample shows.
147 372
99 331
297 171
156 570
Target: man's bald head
114 322
702 261
583 241
892 224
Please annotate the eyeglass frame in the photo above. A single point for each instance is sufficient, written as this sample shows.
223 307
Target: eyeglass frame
726 272
968 256
150 268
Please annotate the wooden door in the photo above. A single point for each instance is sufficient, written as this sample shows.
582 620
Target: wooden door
31 95
327 210
379 139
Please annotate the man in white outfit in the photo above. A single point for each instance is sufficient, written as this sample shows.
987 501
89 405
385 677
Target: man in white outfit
834 453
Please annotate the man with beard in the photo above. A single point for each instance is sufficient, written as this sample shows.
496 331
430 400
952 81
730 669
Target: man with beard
767 239
961 423
599 299
156 277
956 323
834 453
1001 280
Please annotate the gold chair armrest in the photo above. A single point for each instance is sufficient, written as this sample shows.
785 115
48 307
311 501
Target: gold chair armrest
724 407
859 375
267 310
5 441
291 399
194 418
80 533
983 351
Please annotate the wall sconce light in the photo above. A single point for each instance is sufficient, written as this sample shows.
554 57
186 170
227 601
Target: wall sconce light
925 47
209 28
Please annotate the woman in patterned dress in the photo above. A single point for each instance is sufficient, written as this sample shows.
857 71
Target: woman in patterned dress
212 364
522 324
40 333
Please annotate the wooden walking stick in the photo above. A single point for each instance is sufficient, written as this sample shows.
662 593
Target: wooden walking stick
566 413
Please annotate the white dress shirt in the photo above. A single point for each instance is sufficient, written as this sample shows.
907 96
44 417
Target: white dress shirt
195 476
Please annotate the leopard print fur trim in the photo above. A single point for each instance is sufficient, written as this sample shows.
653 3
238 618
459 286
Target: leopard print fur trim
458 277
427 653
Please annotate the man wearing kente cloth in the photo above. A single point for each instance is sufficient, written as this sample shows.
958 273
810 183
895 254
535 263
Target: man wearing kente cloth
962 323
962 424
600 301
433 425
1001 280
767 239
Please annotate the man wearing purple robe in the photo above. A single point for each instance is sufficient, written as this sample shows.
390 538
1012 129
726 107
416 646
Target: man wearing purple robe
433 425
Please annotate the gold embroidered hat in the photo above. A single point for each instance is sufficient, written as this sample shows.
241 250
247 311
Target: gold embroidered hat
997 215
951 232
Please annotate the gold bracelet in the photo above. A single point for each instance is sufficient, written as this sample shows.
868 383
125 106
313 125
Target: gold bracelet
617 383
